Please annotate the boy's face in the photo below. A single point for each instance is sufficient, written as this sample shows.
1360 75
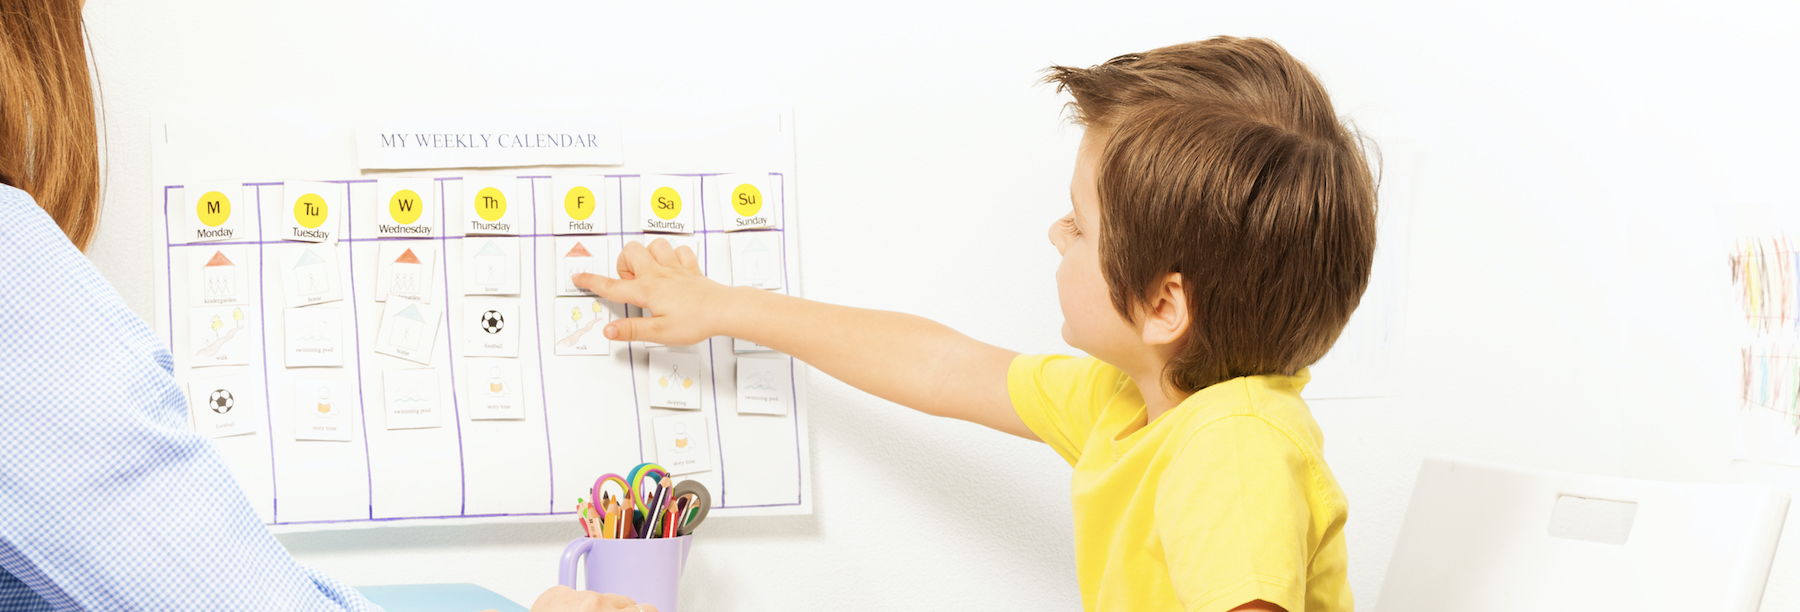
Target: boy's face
1090 322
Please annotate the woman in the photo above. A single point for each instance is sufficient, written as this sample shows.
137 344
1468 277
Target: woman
107 501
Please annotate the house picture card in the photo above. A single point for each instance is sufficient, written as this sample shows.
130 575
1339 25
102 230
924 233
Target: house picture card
216 275
220 335
406 208
313 211
763 385
408 330
309 274
581 255
490 266
745 206
756 260
314 337
323 409
491 205
579 204
216 211
682 444
580 326
674 379
410 398
667 203
494 390
225 406
404 270
492 328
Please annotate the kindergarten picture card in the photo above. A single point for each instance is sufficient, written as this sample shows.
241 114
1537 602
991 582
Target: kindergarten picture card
581 255
490 266
313 211
486 207
323 410
408 330
219 336
744 196
681 444
217 275
674 379
410 399
667 203
404 270
405 208
225 406
309 274
579 204
216 211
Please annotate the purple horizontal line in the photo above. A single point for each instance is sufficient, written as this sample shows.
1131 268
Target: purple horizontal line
264 184
381 238
409 518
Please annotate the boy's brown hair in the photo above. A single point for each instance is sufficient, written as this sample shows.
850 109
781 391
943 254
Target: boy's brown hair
1224 162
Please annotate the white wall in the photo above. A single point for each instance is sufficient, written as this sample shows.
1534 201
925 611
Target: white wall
1563 281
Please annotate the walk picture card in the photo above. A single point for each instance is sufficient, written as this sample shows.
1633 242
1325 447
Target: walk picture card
313 211
219 336
682 445
578 255
579 204
492 328
405 208
756 260
488 209
745 207
323 409
490 266
314 337
309 274
580 325
405 270
408 330
225 406
217 275
763 385
494 389
674 379
410 398
216 211
667 203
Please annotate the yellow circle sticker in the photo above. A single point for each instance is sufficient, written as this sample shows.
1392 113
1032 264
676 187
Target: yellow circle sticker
746 200
405 206
309 210
580 203
490 203
666 202
213 209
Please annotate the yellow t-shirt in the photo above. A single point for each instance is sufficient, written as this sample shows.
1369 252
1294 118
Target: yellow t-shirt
1224 500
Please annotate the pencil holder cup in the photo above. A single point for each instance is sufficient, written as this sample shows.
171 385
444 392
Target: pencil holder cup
646 570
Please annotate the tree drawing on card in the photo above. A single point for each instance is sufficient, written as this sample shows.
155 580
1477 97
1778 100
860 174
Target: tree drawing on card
223 333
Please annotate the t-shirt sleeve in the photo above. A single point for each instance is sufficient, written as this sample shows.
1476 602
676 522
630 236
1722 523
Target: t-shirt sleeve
1060 397
1233 517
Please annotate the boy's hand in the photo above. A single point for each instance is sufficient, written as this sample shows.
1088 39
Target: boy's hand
667 282
564 599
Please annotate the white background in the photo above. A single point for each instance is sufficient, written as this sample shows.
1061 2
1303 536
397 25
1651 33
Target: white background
1567 291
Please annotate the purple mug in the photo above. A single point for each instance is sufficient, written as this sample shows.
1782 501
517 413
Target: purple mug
646 570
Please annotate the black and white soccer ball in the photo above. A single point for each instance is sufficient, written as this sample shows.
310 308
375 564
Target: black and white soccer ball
492 322
221 401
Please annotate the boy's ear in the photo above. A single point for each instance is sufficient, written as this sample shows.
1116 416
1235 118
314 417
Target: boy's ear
1165 314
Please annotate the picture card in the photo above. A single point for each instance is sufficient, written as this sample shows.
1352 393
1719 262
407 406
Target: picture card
493 327
745 207
217 275
486 207
682 445
309 274
406 208
494 389
580 326
324 409
220 335
314 211
490 266
578 255
756 260
410 398
674 379
225 406
583 205
408 330
667 203
763 385
404 270
216 211
740 345
315 337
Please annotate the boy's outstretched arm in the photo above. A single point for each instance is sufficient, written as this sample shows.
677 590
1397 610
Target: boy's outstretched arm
909 360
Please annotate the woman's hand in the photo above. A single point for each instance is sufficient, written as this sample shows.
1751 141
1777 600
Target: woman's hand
687 307
564 599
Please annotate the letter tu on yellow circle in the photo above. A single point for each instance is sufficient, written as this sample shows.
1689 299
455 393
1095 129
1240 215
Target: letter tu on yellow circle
310 210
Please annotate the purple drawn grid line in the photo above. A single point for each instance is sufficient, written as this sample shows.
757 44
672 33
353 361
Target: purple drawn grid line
388 238
262 311
538 338
712 355
787 287
417 518
637 409
462 460
169 267
362 400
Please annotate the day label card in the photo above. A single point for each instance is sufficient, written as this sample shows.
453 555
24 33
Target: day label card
404 270
674 379
746 207
762 386
682 444
217 275
494 390
408 330
221 335
579 255
493 328
216 211
224 406
404 208
410 398
667 203
323 410
315 337
490 266
580 324
309 274
579 204
756 260
313 211
490 207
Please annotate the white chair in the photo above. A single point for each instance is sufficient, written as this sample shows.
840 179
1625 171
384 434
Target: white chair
1484 537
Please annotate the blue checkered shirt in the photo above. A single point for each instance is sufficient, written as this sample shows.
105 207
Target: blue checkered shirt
107 500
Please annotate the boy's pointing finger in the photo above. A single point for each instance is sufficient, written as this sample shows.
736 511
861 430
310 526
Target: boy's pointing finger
610 288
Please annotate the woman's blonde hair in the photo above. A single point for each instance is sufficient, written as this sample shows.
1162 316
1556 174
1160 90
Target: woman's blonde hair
49 144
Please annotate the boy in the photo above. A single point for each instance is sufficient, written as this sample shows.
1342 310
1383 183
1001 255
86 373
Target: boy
1222 230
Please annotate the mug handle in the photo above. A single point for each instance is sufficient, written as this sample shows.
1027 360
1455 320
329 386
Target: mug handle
571 558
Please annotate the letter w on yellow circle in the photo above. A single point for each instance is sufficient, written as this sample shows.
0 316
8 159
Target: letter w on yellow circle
746 200
309 210
405 206
579 202
665 202
490 203
213 209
